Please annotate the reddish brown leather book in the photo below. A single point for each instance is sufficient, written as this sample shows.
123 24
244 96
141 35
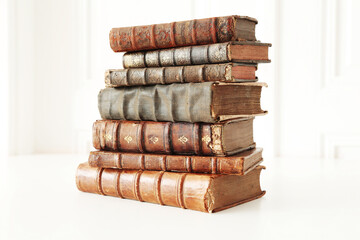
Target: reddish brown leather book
201 192
185 33
239 164
241 52
220 139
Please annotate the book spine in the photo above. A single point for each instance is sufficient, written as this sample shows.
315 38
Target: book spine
175 34
154 137
172 163
193 55
168 75
187 102
165 188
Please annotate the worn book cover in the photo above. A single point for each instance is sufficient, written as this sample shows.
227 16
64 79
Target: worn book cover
229 72
184 33
240 163
239 52
201 192
187 102
220 139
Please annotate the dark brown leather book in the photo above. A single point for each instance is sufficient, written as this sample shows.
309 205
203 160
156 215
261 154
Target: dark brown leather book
240 163
183 74
201 192
187 102
220 139
240 52
185 33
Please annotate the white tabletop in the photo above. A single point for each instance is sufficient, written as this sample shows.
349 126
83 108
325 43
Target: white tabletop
306 199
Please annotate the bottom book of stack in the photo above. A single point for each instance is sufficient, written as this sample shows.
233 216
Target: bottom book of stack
195 186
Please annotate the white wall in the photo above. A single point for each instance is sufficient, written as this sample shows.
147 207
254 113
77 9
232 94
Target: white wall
4 76
318 82
60 51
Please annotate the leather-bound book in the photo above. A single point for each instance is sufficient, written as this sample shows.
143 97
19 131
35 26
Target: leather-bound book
187 102
181 74
240 163
220 139
201 192
185 33
241 52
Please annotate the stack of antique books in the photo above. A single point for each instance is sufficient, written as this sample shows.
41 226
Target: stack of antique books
177 121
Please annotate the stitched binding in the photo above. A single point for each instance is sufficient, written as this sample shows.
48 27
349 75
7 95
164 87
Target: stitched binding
118 184
196 139
188 164
115 136
163 163
182 80
136 186
163 76
214 165
179 191
127 77
158 188
140 136
169 132
213 30
152 37
208 54
172 34
98 180
142 162
102 134
193 32
133 42
118 137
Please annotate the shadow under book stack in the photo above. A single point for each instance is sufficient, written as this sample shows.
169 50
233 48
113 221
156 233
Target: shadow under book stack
177 124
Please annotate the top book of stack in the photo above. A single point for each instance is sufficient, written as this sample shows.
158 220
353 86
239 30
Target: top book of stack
184 33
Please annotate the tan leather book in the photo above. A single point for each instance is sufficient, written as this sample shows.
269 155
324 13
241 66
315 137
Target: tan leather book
240 52
229 72
184 33
240 164
201 192
220 139
186 102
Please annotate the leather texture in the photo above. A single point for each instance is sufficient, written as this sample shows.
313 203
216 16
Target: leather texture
202 54
153 137
164 137
185 33
168 75
185 190
192 55
238 164
188 102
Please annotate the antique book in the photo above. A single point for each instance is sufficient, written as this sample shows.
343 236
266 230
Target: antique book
240 164
243 52
184 33
181 74
201 192
220 139
182 102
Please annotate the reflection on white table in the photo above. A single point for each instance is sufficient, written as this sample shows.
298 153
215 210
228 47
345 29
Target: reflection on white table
306 199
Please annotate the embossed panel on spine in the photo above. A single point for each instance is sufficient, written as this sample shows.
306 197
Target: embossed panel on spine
153 137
